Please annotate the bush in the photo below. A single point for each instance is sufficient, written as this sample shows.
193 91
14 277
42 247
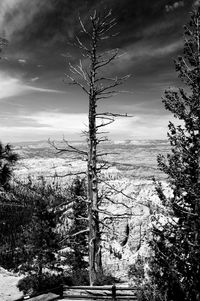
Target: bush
105 279
80 277
146 290
149 291
34 284
136 271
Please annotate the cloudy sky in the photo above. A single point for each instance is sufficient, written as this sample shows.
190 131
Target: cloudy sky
35 101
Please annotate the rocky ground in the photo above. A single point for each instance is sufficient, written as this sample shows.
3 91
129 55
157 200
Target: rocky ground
8 289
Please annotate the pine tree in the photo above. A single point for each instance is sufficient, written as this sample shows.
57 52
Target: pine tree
175 267
78 241
40 237
7 159
10 209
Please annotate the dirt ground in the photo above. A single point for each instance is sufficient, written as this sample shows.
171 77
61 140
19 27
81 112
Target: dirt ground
8 289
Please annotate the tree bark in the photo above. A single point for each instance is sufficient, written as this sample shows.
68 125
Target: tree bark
95 266
94 232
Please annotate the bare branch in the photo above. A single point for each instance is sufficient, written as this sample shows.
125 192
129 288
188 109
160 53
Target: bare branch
82 46
117 82
83 27
75 82
118 203
75 234
68 174
120 215
103 63
106 154
113 114
105 123
73 148
120 191
70 149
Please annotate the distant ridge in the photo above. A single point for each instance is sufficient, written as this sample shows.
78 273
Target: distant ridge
141 141
124 142
36 142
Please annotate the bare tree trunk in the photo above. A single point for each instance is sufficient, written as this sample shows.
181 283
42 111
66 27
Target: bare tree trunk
95 263
95 266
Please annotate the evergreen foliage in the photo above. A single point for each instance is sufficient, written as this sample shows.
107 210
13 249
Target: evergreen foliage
11 213
32 285
29 215
175 267
7 159
78 240
43 241
40 237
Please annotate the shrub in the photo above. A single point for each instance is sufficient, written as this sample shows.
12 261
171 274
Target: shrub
136 271
148 291
34 284
105 279
80 277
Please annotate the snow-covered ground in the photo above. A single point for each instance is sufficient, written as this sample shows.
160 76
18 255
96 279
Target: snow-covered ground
8 289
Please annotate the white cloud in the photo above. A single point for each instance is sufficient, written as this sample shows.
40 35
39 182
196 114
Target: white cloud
22 61
12 86
34 79
55 125
168 49
77 122
143 50
37 89
61 121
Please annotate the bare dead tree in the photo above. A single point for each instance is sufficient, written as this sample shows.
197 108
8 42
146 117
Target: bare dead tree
89 76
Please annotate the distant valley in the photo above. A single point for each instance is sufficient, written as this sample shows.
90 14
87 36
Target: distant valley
133 164
133 159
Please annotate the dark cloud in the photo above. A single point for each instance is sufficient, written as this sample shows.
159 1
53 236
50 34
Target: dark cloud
39 31
38 53
54 21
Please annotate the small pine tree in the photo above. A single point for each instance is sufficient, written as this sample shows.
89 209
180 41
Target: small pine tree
10 210
7 159
175 267
41 240
78 241
44 237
